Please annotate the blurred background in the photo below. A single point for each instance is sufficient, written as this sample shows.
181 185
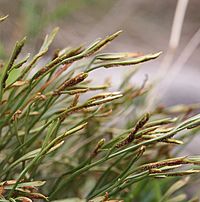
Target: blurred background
147 27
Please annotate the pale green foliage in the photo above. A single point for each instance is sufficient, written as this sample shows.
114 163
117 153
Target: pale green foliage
87 149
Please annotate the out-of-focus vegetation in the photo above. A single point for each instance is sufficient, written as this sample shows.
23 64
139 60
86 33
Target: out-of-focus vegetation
32 17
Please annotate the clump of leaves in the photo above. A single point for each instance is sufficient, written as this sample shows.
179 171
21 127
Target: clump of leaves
88 149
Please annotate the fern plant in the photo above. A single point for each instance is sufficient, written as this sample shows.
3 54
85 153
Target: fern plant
63 138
